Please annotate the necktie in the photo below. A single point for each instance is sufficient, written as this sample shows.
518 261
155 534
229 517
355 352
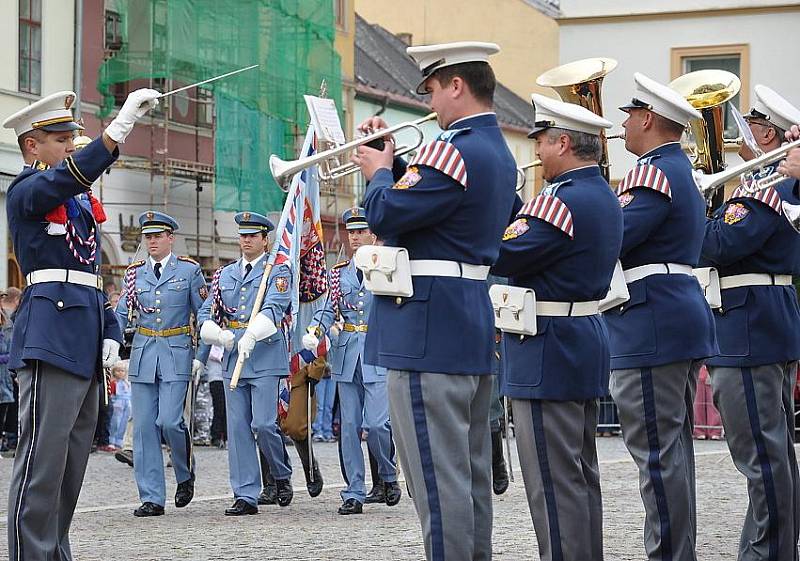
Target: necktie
360 276
157 270
247 269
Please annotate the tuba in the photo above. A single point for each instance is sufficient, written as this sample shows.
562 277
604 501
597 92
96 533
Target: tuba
580 82
708 91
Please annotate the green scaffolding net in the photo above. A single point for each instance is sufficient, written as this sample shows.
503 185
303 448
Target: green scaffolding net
258 112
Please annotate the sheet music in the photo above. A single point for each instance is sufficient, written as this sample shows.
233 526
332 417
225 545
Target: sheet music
325 119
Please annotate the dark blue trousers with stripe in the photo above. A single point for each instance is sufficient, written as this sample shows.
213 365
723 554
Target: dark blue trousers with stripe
753 406
558 459
655 412
57 416
440 423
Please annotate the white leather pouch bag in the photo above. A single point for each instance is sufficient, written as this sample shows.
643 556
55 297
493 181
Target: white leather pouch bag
514 309
386 269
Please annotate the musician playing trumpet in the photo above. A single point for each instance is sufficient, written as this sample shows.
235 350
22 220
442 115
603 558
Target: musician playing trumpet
756 251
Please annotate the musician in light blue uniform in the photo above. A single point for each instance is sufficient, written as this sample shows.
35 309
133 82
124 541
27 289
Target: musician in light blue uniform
162 295
756 251
251 408
361 387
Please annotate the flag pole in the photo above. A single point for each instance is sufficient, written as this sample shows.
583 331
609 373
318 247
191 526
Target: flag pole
262 287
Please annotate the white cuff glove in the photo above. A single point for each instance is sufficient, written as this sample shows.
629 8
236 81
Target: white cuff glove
210 333
197 367
259 328
336 328
213 334
110 353
310 339
136 105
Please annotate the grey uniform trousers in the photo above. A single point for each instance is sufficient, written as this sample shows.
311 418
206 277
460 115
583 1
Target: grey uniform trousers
558 458
57 416
440 423
655 412
756 416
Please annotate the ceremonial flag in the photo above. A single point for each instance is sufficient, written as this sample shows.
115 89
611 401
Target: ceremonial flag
301 248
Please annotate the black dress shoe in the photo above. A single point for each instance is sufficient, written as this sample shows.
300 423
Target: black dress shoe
240 508
376 495
284 492
392 492
268 495
124 456
499 471
315 487
350 506
184 493
149 509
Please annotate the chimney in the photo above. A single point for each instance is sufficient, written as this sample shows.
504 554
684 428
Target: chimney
405 37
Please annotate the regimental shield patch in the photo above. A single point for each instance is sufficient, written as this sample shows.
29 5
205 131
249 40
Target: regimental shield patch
411 178
516 229
735 212
282 284
625 199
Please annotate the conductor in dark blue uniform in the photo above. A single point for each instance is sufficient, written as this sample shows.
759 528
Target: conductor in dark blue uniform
448 208
756 251
660 337
564 245
65 331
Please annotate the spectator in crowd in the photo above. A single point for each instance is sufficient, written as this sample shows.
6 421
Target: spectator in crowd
120 404
9 392
6 384
707 422
323 424
213 371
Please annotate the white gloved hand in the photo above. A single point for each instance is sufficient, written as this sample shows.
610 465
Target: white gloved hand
310 340
226 339
197 367
110 353
136 105
210 333
258 329
336 328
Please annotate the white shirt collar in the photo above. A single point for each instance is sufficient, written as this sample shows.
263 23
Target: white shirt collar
245 262
163 262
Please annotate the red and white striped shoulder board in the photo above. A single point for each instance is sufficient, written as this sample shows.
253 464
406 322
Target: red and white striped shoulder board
768 196
550 209
443 156
645 175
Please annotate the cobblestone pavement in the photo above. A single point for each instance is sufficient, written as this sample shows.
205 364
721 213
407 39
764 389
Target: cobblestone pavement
105 529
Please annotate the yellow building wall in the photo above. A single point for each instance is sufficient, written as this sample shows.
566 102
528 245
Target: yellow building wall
528 39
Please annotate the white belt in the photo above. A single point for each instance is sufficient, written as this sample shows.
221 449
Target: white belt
638 273
439 268
754 279
564 309
65 275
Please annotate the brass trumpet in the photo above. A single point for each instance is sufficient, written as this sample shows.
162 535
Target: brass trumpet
709 183
330 168
521 173
536 163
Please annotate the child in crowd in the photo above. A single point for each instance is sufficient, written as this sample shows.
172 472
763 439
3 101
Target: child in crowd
120 403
